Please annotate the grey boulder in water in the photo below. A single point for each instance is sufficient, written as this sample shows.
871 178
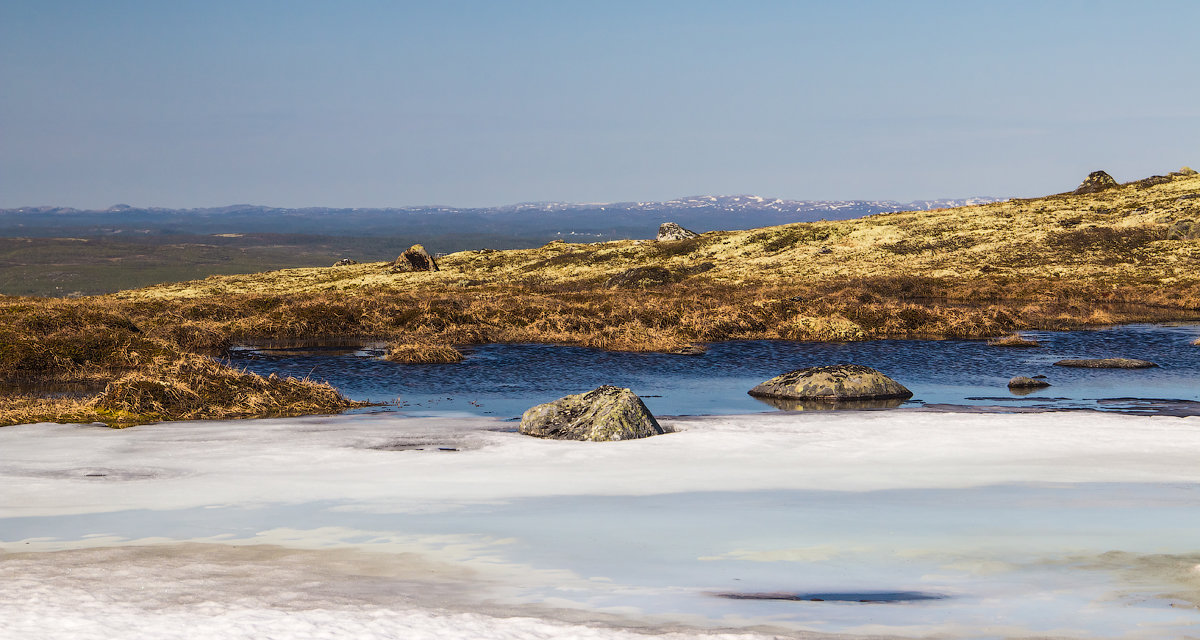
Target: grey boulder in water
837 382
602 414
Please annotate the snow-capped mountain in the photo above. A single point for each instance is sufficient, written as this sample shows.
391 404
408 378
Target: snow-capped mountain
498 227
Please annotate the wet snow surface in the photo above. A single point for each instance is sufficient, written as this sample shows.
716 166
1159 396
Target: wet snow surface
970 525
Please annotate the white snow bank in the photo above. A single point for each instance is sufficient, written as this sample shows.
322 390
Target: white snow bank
62 469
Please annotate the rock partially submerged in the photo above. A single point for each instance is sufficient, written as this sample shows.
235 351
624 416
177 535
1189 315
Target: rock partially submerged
669 231
839 383
602 414
1095 182
1106 363
1025 382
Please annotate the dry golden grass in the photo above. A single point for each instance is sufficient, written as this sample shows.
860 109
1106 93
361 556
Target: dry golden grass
188 388
423 353
1126 254
1116 238
196 387
1014 340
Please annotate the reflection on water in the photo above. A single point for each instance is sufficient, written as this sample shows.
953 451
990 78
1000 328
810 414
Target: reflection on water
51 389
505 379
789 404
865 597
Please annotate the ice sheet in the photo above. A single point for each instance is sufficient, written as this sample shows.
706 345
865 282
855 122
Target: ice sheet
1031 525
49 469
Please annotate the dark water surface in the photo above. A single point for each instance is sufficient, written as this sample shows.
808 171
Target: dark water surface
505 379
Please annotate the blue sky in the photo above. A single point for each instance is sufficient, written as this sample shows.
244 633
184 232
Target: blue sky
375 104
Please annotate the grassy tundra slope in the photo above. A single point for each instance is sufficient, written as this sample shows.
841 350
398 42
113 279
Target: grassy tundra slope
1126 253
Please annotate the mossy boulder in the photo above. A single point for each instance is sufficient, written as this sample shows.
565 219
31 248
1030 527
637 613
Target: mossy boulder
669 231
602 414
1095 182
1106 363
839 382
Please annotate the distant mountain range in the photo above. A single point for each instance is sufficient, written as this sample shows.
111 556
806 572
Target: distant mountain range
521 223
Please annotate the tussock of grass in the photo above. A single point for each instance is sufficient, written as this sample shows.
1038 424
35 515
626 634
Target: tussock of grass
195 387
190 387
1014 340
149 376
422 353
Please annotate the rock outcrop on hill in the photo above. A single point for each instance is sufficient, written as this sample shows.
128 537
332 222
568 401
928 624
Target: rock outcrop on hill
669 231
1095 182
418 258
602 414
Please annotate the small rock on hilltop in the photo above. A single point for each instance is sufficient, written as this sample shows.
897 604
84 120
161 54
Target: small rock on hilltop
1095 182
602 414
669 231
418 258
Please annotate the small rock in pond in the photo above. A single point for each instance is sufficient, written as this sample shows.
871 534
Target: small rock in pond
602 414
1025 382
835 382
1106 363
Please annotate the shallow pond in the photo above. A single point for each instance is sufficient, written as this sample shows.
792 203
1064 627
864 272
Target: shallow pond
505 379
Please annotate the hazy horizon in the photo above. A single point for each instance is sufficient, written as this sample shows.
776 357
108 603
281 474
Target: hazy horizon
375 104
437 205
